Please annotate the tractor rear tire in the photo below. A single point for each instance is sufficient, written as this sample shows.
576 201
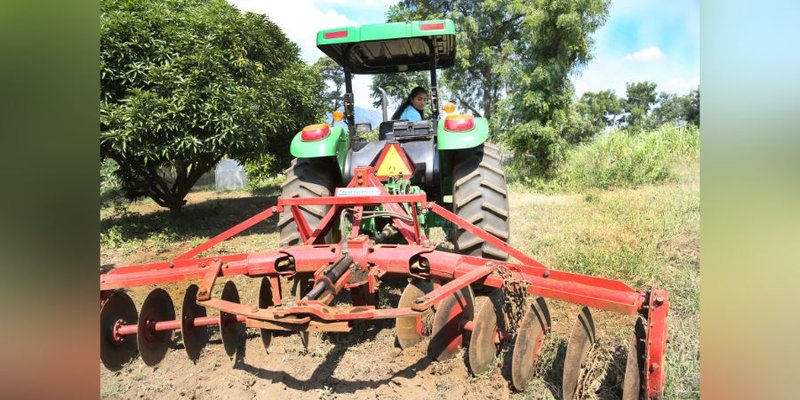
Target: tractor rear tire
306 177
480 196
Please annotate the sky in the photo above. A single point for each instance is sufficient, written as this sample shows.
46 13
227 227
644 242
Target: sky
653 40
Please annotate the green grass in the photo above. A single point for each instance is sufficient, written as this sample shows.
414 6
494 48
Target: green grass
621 159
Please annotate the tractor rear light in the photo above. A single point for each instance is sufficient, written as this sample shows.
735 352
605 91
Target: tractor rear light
431 26
335 34
459 123
315 132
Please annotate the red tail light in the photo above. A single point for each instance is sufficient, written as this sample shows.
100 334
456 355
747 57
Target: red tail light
432 26
459 122
335 35
315 132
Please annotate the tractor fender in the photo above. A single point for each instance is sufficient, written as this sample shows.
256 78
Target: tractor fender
335 144
450 140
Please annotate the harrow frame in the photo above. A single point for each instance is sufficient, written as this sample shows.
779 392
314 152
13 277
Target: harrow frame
357 264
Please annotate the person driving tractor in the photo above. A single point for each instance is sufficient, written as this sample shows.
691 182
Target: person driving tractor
412 108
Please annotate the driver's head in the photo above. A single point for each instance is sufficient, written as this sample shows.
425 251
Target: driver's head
418 97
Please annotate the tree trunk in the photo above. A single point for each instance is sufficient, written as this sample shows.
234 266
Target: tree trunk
173 196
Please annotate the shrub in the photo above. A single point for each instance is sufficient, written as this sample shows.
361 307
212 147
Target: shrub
620 159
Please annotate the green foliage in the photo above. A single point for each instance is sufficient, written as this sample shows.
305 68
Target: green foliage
110 185
184 83
599 109
544 149
693 110
333 75
260 171
397 86
641 96
623 159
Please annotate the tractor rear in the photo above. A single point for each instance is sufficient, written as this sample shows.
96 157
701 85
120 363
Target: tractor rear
449 159
355 213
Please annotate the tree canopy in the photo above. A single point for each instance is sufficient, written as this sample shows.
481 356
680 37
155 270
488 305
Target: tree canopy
186 83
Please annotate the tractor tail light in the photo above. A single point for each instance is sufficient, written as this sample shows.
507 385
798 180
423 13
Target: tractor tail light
459 123
335 34
315 132
432 26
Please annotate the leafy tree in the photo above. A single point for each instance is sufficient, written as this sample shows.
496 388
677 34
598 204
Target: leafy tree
693 109
333 76
670 108
640 97
184 83
599 109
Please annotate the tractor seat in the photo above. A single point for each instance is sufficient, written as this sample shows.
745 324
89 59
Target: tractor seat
386 127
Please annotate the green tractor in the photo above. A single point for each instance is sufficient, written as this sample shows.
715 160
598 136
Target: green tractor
449 159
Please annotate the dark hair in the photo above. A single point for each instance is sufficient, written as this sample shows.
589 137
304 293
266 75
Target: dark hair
414 93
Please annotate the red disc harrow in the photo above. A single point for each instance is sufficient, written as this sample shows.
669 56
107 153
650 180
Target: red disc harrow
438 304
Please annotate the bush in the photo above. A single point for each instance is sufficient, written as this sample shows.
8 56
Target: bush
621 159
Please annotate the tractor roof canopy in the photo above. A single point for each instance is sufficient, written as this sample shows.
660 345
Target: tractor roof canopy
391 47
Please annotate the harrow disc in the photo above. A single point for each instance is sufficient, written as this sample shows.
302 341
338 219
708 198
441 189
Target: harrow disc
264 301
635 384
488 329
447 335
411 330
230 329
580 342
195 338
153 345
533 327
118 309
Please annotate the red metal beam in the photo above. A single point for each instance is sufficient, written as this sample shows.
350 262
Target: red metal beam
231 232
434 297
486 236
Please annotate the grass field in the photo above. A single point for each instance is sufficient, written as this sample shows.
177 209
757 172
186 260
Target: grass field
642 234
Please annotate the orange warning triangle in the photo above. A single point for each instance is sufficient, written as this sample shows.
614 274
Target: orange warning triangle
393 162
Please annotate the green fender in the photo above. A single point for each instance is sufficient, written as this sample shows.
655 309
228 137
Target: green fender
335 144
449 140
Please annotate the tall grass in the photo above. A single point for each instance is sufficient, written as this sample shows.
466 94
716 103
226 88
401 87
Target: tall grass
622 159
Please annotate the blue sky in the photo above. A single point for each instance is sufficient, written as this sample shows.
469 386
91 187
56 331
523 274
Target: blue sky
654 40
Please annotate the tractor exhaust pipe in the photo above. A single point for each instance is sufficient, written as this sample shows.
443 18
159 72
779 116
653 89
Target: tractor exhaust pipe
383 104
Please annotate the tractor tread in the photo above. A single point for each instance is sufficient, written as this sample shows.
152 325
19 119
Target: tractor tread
305 178
499 211
463 201
480 196
490 185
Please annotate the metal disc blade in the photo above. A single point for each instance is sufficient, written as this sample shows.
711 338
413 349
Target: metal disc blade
231 331
117 309
411 330
195 338
580 342
447 336
633 388
153 345
264 301
301 287
488 324
530 337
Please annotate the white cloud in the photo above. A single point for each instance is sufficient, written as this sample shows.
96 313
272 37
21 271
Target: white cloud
301 20
652 53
